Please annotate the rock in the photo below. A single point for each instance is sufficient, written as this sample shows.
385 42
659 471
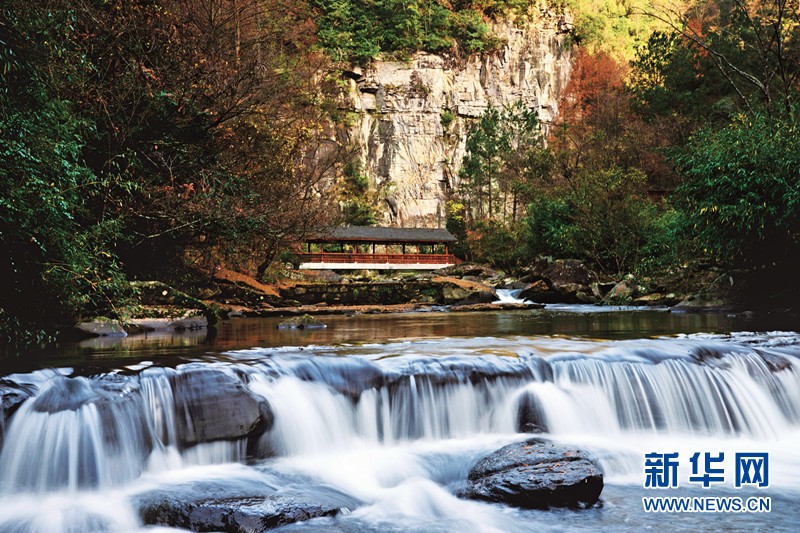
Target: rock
254 514
514 285
460 292
101 327
530 415
115 424
561 281
398 108
703 303
774 362
536 474
657 298
301 322
12 396
567 272
181 320
348 376
622 293
212 405
474 271
64 394
540 291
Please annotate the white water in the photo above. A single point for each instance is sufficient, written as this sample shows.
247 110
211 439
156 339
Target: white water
400 451
509 296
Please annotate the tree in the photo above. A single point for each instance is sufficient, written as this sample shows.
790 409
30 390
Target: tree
504 156
594 203
741 196
753 44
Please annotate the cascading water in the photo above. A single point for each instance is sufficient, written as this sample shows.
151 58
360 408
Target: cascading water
509 296
394 427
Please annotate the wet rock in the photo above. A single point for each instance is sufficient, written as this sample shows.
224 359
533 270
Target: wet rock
774 362
12 396
530 415
657 298
703 303
348 376
540 291
64 394
514 285
180 320
212 405
301 322
234 515
536 474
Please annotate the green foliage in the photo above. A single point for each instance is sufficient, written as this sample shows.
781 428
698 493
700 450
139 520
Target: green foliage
603 220
358 32
741 196
447 118
356 200
496 243
617 27
58 253
669 79
456 224
504 156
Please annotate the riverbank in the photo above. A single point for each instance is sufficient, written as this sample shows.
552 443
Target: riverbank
229 295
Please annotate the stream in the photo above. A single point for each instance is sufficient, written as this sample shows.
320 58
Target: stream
381 418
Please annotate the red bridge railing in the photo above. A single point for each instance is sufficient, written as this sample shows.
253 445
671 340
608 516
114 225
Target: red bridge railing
394 259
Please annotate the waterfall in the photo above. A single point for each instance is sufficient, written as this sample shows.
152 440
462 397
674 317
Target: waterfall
101 433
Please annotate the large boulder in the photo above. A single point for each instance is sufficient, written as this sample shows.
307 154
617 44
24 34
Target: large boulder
213 405
561 281
536 474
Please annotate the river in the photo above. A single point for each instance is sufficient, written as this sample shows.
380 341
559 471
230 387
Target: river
383 415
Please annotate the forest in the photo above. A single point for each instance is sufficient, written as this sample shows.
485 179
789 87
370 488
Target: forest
159 139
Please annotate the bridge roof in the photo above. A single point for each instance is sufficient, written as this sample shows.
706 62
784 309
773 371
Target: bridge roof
383 234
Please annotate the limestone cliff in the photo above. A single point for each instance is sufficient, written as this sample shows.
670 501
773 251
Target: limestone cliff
412 118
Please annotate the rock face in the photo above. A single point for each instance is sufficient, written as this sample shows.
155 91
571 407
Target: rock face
536 474
412 118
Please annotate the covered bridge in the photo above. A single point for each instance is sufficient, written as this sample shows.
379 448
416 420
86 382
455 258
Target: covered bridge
379 248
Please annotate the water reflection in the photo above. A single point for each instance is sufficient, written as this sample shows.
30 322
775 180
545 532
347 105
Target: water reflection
237 334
